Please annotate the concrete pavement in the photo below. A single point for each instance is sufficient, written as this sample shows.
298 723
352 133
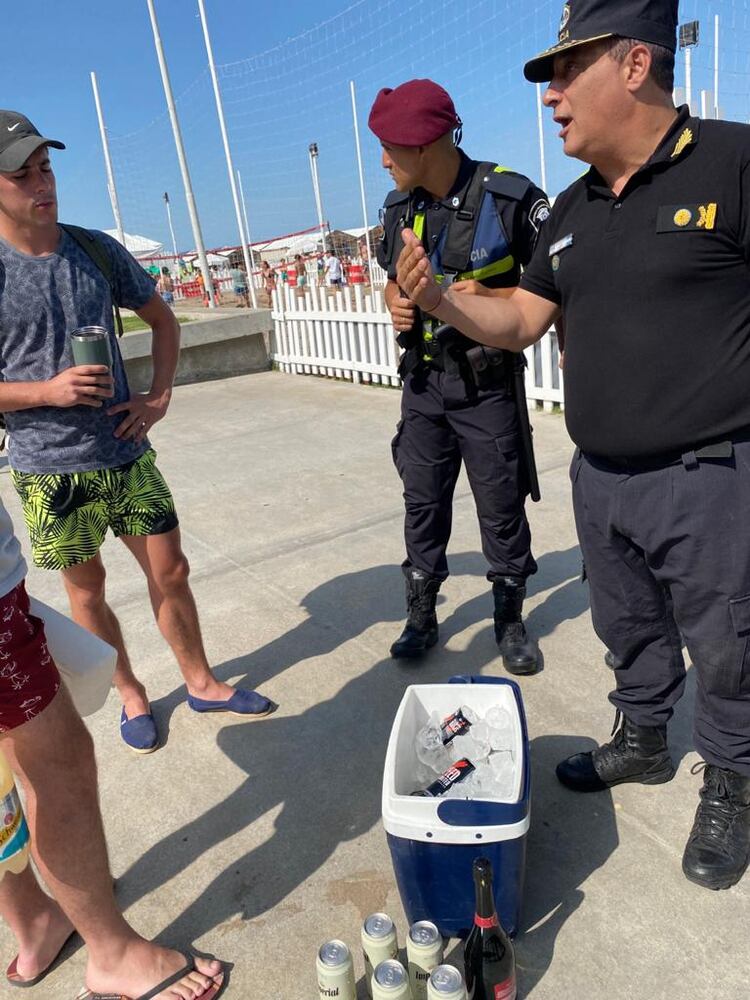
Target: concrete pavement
259 841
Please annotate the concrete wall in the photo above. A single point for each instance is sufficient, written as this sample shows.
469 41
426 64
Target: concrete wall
211 348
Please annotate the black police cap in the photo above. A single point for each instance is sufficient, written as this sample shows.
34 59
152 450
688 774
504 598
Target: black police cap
585 21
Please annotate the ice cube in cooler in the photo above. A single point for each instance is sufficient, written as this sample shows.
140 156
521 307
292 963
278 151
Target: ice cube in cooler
500 726
471 747
503 774
429 746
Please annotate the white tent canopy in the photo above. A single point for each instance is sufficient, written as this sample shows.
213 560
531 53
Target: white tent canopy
139 246
212 258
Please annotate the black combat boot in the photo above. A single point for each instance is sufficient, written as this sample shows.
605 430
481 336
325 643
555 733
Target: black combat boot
519 651
637 753
421 631
718 848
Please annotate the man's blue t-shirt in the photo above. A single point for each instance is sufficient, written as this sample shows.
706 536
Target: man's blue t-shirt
42 301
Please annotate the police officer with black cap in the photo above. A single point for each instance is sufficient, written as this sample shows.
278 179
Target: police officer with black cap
647 257
479 223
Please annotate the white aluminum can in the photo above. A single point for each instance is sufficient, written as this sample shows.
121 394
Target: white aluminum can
390 981
424 951
379 943
446 983
335 969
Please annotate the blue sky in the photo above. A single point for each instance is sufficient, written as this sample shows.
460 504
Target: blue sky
52 45
285 71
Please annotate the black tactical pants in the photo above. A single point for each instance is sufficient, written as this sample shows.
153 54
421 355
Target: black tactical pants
667 553
441 425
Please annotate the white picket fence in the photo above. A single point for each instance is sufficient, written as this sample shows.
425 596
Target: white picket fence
348 334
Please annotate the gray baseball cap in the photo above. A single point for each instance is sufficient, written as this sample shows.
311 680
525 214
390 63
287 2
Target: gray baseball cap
18 140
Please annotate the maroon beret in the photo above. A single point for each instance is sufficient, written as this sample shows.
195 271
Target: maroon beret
414 114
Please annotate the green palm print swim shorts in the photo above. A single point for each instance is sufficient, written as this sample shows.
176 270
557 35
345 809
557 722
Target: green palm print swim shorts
67 515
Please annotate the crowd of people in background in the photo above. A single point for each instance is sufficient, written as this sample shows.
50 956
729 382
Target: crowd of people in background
325 269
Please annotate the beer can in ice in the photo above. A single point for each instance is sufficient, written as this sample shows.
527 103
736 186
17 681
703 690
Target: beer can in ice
336 972
446 983
378 943
424 951
390 981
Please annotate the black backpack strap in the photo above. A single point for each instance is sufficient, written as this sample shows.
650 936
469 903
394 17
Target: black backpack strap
456 257
392 217
100 255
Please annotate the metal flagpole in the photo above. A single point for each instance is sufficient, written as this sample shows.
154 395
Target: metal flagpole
171 227
688 78
716 67
108 164
247 240
704 104
225 138
192 210
361 180
540 125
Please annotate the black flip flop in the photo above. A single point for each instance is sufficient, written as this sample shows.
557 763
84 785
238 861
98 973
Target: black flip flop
11 973
211 993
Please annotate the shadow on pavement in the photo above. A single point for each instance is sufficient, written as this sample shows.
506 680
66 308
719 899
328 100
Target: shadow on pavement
343 608
571 836
323 767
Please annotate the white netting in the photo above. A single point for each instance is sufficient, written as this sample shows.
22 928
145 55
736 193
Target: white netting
278 101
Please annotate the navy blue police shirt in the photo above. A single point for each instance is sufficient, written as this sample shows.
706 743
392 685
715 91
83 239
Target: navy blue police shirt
655 293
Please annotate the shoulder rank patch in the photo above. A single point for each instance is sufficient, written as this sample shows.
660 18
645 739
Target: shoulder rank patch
685 139
686 218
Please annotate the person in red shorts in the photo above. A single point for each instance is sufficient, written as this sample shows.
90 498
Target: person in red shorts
51 753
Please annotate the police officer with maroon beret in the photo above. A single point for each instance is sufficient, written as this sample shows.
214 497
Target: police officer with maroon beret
479 223
647 256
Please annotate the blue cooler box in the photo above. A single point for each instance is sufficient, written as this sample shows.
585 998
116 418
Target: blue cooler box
433 842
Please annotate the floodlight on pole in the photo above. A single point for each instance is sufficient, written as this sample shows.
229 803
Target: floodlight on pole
312 149
689 36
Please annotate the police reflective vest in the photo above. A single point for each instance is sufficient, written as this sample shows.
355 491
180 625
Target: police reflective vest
472 245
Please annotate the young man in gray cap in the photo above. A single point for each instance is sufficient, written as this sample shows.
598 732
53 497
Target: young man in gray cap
461 402
79 450
646 256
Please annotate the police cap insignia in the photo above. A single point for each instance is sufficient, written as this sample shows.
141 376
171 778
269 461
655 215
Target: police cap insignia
563 34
